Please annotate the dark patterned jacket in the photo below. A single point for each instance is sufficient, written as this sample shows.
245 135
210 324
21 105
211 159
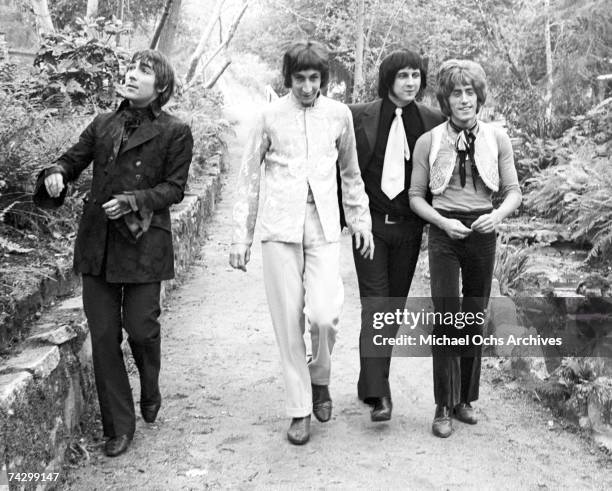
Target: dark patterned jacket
152 165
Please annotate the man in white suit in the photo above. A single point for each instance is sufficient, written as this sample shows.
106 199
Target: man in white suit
300 137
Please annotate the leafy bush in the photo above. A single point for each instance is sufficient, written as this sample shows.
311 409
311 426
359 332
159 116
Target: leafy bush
577 194
29 140
82 67
510 266
73 68
201 108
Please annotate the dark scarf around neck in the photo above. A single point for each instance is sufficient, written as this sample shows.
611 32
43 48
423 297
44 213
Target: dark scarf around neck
464 146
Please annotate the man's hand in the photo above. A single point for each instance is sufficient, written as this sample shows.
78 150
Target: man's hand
115 208
486 223
455 229
54 184
367 249
240 254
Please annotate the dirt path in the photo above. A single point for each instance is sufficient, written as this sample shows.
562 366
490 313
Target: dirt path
222 423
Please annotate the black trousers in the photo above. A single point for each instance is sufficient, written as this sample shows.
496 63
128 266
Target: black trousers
109 307
384 283
456 369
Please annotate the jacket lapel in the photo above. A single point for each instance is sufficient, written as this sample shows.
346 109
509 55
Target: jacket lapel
369 123
145 132
112 137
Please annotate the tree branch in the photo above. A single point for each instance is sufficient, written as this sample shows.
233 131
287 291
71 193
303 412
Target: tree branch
386 38
201 47
217 75
160 26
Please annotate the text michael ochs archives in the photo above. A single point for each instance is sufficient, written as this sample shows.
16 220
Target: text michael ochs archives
456 322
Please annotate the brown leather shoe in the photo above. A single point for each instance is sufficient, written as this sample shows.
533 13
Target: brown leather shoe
117 445
442 425
465 412
299 430
381 409
321 403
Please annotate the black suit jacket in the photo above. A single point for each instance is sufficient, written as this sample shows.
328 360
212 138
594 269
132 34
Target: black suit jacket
154 165
366 117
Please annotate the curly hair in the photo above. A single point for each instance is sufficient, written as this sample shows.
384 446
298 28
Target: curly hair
454 73
306 55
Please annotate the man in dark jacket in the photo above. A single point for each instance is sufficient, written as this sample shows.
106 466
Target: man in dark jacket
386 131
123 249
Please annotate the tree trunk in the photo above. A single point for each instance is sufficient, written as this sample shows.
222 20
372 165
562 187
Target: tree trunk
359 46
44 24
92 8
222 47
201 47
548 114
217 75
160 26
166 40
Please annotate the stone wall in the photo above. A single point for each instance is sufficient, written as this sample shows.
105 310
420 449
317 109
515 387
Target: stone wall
46 385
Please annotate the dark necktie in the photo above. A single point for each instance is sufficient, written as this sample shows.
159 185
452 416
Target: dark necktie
464 145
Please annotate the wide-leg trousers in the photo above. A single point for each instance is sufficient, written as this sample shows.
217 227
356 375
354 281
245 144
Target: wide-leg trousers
469 261
303 285
109 308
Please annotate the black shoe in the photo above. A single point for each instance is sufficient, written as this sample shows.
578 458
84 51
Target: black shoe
299 430
149 411
465 412
321 403
381 408
117 445
442 425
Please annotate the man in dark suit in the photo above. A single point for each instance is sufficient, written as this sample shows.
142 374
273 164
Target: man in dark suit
386 131
123 249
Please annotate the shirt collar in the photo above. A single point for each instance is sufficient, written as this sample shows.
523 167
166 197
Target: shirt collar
299 105
153 109
391 105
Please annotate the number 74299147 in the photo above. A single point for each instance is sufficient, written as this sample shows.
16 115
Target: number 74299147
32 476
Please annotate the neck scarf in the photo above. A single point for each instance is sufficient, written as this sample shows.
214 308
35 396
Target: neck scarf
464 145
132 119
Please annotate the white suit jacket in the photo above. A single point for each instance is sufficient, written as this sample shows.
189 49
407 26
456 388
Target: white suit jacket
300 147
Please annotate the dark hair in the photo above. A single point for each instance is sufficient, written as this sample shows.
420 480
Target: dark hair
393 63
459 72
164 73
306 55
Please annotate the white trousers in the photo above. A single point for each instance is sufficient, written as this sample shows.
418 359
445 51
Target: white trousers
303 284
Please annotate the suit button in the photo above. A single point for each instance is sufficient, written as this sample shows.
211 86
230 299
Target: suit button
110 160
138 177
137 164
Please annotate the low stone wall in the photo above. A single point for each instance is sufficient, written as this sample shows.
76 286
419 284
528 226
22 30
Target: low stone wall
15 322
46 385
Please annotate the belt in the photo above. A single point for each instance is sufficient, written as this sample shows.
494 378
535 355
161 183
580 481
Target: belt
391 219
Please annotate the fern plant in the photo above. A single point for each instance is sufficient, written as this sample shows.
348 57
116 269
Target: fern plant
510 265
577 194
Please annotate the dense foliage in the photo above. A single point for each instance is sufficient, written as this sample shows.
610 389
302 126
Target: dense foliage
139 12
505 36
575 191
74 67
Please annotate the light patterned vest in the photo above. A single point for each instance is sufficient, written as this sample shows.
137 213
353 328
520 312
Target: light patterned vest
485 155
